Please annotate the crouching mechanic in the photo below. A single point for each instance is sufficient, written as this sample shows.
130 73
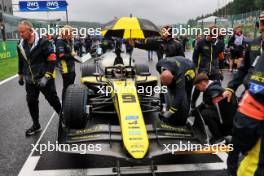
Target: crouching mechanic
65 55
36 65
215 110
248 127
177 74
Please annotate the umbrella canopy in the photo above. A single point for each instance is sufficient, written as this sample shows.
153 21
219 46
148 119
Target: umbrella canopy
130 27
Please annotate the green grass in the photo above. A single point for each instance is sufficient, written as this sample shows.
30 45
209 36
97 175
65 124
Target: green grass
8 67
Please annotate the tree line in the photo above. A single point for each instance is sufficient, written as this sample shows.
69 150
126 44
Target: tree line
233 8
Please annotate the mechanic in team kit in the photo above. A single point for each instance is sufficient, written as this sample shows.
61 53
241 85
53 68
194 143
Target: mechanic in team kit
37 61
247 126
65 55
247 137
177 73
205 58
252 163
216 111
166 46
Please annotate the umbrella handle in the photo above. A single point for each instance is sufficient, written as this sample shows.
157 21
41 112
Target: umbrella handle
130 59
130 55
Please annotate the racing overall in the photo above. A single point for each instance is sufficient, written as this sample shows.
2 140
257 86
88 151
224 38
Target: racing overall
36 62
248 122
217 112
253 163
205 59
67 63
179 91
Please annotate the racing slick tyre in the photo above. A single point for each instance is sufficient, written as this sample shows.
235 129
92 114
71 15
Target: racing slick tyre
74 107
141 68
88 69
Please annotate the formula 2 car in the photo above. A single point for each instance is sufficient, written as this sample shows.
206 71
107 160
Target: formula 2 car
109 109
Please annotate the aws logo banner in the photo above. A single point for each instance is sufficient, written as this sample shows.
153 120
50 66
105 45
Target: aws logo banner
31 6
53 5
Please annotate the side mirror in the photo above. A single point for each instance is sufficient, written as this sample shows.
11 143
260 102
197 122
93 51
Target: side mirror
98 75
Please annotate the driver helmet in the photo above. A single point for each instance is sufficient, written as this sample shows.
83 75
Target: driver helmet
119 71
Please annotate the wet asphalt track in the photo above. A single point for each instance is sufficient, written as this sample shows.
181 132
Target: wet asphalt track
15 149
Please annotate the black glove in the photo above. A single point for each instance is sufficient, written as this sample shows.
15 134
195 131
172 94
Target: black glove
21 80
44 80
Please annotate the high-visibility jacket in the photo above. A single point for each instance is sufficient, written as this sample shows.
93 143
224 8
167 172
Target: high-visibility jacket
253 163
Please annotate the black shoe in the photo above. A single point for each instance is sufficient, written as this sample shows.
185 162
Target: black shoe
36 128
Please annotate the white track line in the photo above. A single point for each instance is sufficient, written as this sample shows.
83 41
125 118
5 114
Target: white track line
27 167
8 79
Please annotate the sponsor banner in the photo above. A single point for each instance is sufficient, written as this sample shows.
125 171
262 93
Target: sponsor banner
36 6
8 49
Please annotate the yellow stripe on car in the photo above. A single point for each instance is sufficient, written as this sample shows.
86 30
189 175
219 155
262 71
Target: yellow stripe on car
149 78
91 79
134 132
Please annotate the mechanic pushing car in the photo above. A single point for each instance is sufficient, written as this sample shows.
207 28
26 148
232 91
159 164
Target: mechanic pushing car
248 127
36 65
205 58
177 73
65 55
165 46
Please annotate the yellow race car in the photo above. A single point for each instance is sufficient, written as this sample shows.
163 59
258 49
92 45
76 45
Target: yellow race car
112 109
